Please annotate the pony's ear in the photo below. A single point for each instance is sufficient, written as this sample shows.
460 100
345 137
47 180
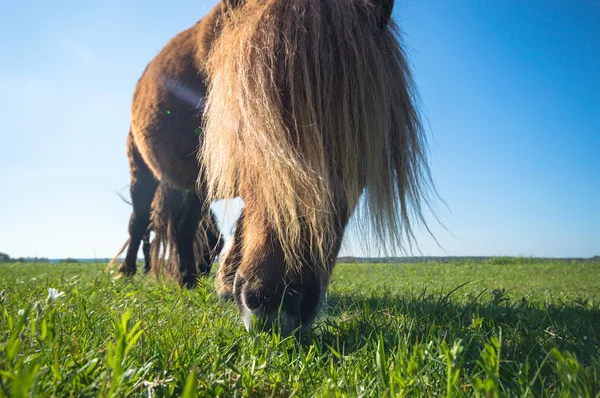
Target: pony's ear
383 9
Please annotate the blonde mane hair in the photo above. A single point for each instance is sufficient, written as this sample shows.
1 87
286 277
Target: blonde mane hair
310 104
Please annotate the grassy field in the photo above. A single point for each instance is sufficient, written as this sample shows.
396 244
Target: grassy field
500 328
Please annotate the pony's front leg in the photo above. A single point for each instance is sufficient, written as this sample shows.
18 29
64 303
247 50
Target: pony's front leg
229 262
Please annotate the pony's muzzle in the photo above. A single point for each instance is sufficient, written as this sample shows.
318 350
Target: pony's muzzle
285 309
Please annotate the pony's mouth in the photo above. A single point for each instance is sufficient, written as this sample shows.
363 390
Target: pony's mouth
280 321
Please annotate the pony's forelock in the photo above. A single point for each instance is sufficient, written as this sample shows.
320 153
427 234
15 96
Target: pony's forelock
311 104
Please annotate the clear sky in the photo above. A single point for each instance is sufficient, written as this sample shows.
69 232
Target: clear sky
511 91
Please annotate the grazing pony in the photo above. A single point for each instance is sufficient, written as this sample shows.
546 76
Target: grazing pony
299 107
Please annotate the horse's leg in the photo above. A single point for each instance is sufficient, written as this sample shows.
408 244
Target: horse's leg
146 250
143 186
185 237
209 243
229 262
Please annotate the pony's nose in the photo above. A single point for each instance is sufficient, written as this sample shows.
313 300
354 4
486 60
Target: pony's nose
260 320
288 301
285 309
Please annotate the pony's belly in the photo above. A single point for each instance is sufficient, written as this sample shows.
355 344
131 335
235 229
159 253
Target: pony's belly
171 156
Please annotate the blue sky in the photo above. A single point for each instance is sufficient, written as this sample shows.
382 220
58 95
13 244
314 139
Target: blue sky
511 91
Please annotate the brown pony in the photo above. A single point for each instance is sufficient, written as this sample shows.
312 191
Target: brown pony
299 107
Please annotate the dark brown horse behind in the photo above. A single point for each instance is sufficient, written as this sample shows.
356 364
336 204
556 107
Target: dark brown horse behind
299 107
170 214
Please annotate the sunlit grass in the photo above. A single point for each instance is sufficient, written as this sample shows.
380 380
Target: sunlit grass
516 328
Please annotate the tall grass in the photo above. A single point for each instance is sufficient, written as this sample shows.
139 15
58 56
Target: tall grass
475 329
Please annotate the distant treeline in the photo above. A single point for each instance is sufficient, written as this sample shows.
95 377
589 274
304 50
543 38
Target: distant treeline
5 258
449 259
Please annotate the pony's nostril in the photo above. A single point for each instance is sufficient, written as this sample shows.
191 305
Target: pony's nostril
274 300
252 300
291 302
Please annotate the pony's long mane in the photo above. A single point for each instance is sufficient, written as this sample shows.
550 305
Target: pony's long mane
309 102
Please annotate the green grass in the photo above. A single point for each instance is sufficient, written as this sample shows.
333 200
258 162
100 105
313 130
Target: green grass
501 328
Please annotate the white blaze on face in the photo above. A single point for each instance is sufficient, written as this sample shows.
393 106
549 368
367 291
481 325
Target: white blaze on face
248 317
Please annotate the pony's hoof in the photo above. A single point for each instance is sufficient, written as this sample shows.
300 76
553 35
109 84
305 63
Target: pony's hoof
224 289
189 281
126 271
225 296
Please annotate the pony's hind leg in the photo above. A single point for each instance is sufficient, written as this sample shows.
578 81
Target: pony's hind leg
209 243
185 237
146 250
143 187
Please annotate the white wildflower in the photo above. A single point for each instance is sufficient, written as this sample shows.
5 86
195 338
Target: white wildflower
21 312
53 294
